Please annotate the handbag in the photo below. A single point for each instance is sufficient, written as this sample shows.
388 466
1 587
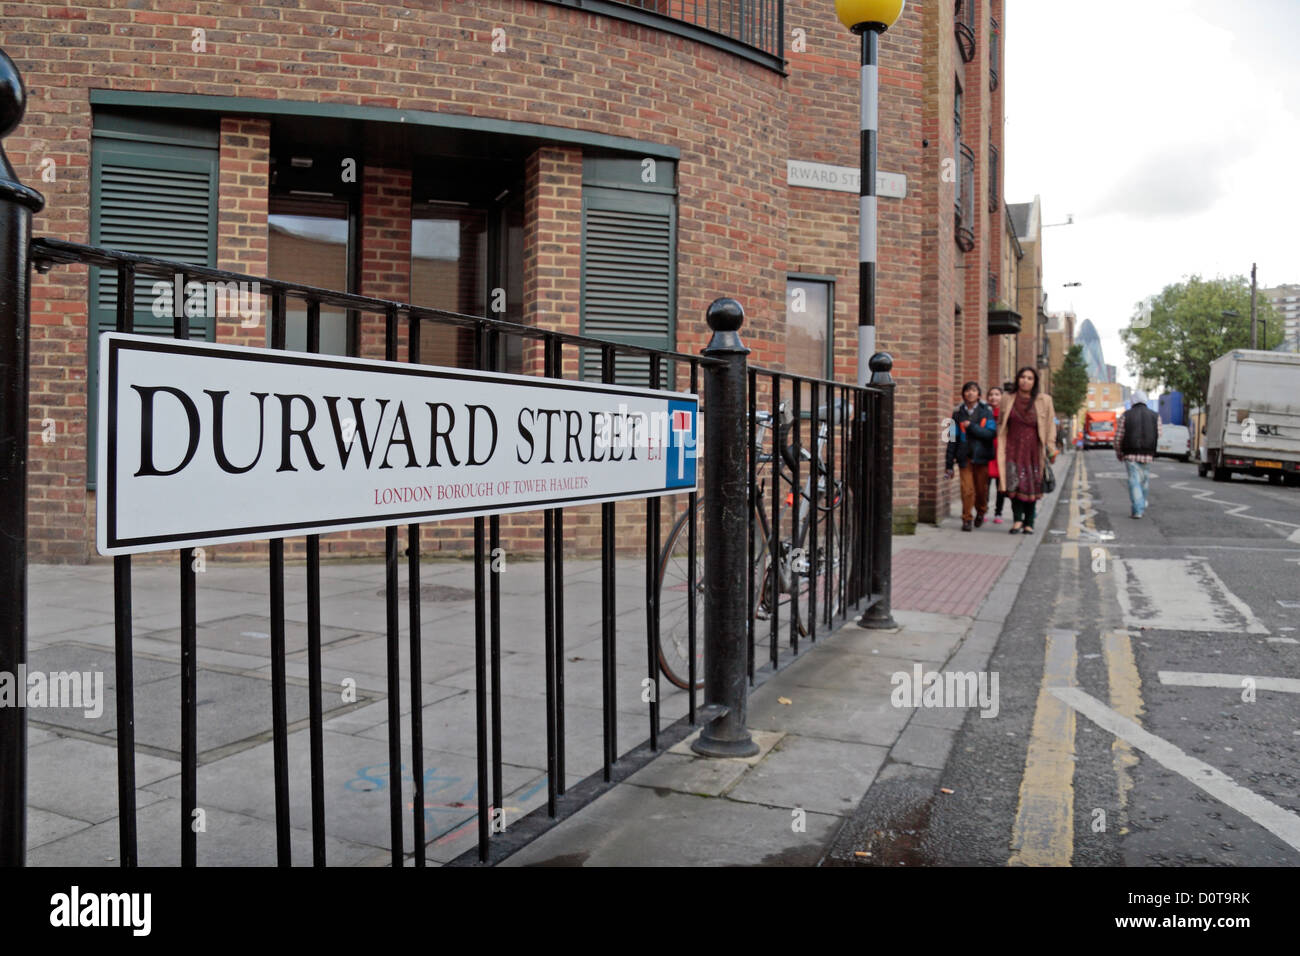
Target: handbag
1049 479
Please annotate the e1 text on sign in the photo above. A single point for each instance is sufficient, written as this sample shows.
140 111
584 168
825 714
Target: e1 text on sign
201 443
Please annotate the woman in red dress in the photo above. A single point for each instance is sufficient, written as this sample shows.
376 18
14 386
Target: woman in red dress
1026 441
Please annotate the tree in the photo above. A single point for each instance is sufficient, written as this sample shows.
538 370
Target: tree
1070 383
1174 336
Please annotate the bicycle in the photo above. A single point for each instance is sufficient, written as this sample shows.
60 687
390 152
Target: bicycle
798 573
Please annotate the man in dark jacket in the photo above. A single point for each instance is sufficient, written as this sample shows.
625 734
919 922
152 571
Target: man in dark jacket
970 448
1136 438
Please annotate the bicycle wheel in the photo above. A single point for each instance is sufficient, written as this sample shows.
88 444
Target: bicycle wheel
675 599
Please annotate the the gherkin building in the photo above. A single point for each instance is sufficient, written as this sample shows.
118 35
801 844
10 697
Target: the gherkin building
1092 357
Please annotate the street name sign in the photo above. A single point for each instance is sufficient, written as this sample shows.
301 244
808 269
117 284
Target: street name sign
845 179
201 444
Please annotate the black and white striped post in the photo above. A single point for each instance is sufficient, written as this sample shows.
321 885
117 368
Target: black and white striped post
868 19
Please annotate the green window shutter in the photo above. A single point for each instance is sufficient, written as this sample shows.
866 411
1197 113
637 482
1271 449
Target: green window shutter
629 273
153 199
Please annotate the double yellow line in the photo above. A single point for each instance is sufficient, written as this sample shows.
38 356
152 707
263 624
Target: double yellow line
1043 832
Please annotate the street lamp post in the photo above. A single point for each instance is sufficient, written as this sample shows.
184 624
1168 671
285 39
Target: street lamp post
868 19
1234 314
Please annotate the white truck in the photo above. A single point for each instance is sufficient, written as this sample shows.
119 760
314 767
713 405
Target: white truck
1252 417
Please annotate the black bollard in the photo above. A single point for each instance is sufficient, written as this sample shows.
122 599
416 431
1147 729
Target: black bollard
726 529
17 204
879 616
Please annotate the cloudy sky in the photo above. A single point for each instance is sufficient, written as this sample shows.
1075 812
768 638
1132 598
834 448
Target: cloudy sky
1173 136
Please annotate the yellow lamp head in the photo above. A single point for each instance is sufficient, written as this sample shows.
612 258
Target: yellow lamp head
858 13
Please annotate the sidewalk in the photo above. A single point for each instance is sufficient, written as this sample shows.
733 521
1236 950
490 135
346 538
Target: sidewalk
825 724
824 721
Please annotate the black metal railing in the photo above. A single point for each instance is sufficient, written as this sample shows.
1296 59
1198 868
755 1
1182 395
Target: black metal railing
810 464
965 212
820 506
965 27
993 177
755 24
995 43
397 317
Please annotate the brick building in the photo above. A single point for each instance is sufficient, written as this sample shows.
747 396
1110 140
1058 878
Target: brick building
1105 397
502 155
1031 342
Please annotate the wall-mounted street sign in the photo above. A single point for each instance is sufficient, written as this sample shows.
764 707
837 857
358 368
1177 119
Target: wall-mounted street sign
201 444
843 179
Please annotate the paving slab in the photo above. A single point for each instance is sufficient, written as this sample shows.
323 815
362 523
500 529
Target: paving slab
831 714
45 826
823 776
230 839
685 774
48 617
947 718
923 746
357 784
230 708
915 645
78 779
248 634
637 826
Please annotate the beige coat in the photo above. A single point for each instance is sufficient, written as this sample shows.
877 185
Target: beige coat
1046 430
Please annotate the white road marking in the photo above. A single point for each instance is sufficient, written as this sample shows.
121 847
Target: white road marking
1209 547
1238 511
1173 594
1283 640
1279 822
1287 685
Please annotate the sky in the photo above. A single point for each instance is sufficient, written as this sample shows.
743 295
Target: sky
1173 137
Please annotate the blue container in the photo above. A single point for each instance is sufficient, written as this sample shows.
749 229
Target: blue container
1171 409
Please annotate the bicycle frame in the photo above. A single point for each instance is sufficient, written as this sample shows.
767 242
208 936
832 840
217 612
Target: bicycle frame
804 516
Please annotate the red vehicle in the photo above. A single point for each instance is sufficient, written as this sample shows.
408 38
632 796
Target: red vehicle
1099 429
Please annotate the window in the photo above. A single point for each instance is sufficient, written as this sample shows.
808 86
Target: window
964 194
966 201
449 246
809 325
307 242
153 191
